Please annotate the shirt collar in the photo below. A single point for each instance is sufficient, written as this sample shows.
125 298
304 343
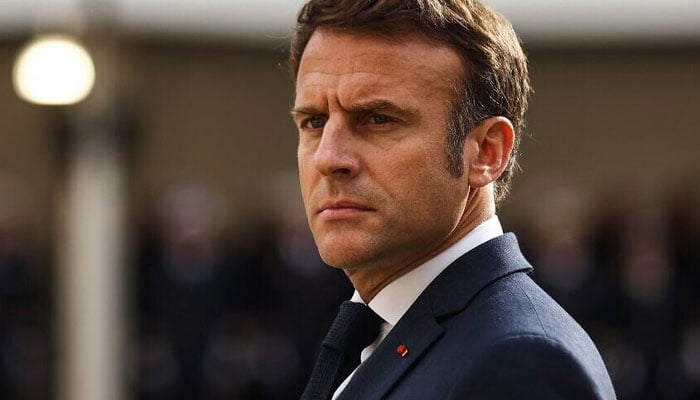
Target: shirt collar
392 302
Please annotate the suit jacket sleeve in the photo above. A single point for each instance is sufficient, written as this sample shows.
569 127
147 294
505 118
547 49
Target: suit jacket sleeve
527 367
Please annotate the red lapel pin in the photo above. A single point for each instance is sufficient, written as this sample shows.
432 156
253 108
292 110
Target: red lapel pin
402 350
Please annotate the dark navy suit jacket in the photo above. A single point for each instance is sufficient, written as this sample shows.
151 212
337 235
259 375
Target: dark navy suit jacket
484 330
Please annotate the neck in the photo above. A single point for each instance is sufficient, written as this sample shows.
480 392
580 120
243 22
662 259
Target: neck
479 208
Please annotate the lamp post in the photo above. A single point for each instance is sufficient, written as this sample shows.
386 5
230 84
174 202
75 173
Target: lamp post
58 71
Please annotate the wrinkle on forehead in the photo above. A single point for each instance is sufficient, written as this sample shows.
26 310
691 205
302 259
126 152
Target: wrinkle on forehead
356 64
320 48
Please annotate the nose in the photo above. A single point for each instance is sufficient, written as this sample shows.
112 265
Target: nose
335 154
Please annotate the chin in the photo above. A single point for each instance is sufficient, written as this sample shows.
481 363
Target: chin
334 259
341 255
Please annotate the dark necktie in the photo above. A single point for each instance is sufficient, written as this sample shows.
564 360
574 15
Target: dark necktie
355 327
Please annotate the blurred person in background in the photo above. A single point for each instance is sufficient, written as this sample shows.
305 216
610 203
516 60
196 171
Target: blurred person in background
409 114
558 235
681 370
683 233
645 305
195 303
24 314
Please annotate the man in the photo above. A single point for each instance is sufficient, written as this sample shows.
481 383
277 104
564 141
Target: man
409 114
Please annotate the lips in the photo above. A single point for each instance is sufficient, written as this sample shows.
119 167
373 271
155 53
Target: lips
342 208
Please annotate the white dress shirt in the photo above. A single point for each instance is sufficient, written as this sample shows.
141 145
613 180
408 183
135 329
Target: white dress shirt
392 302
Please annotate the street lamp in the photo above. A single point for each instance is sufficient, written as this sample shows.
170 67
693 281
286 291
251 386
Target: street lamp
53 69
56 70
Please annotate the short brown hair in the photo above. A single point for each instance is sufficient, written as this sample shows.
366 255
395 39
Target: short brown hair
495 83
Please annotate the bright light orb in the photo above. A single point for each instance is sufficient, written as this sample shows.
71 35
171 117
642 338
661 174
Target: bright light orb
53 70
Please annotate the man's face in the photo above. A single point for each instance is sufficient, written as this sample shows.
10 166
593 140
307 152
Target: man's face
372 117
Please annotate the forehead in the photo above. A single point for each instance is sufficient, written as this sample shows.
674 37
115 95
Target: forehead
353 63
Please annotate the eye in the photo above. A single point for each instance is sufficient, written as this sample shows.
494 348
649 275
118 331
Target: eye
314 123
379 119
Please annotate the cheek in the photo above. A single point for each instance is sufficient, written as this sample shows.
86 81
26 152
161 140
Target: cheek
306 172
429 193
306 189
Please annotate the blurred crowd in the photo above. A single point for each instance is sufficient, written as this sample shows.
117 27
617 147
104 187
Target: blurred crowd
222 320
628 272
213 317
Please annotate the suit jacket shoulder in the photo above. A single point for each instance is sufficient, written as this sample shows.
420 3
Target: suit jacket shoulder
484 329
528 347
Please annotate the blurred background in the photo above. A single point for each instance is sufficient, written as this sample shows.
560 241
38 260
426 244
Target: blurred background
152 239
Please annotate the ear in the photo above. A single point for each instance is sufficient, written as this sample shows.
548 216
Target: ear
489 146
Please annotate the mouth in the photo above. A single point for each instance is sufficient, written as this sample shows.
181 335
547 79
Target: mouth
342 209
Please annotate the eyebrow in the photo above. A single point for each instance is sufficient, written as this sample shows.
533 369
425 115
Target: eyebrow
381 106
361 108
304 111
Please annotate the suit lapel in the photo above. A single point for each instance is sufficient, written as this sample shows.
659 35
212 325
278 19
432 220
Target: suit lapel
454 288
418 329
